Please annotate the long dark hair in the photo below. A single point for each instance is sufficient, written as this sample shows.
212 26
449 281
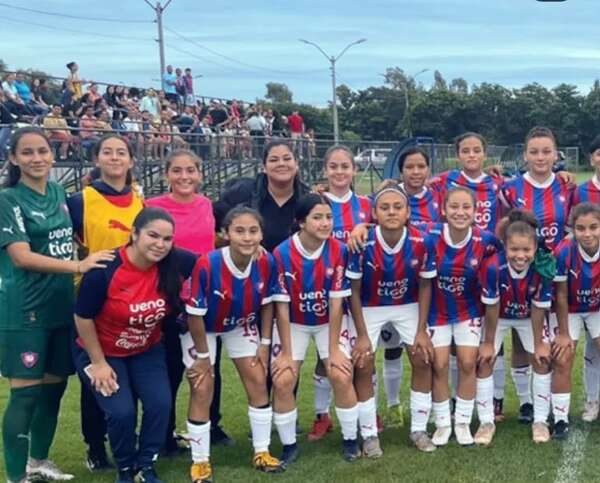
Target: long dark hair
106 137
14 172
169 273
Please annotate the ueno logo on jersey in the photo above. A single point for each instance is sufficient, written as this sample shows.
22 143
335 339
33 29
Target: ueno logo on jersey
549 232
455 285
483 213
516 310
395 289
342 235
588 297
61 243
313 302
147 313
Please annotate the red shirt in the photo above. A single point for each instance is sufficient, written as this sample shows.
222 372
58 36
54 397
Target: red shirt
296 123
125 304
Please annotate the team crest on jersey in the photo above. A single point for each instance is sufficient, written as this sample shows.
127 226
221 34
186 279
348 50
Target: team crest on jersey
473 262
414 262
260 286
329 272
562 198
29 359
362 215
532 289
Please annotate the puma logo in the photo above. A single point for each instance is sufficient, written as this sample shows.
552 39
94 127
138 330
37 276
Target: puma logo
220 294
117 225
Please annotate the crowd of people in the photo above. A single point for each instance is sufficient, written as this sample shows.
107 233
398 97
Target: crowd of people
155 121
441 268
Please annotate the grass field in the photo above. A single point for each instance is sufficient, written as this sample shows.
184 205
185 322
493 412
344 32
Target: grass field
511 458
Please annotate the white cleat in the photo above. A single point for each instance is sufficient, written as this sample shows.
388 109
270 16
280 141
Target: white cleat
485 434
590 411
46 470
462 431
441 436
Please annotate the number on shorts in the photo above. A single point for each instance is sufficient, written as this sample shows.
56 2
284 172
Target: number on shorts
345 334
476 322
250 330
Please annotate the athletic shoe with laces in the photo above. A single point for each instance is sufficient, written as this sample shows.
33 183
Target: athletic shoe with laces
148 475
590 411
526 413
266 463
98 461
485 434
441 435
560 431
371 448
46 470
201 472
422 441
321 426
498 410
350 449
463 435
289 454
125 475
394 416
540 432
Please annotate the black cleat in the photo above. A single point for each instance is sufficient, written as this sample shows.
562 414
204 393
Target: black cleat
560 431
98 461
351 449
526 413
289 455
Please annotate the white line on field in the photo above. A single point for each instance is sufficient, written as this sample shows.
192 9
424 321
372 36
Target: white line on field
572 456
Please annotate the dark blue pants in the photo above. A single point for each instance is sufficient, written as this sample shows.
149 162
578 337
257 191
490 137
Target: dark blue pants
145 375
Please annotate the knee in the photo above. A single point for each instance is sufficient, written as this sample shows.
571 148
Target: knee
419 366
466 365
123 415
440 367
284 384
339 379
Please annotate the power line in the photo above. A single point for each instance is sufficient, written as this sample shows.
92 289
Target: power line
199 57
76 17
62 29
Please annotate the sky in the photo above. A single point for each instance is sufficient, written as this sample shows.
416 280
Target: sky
238 46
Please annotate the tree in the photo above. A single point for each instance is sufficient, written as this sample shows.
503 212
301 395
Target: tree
278 93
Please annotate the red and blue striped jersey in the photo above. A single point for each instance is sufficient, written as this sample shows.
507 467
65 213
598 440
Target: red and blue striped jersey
308 280
390 275
488 208
466 275
518 290
582 274
348 212
226 297
587 192
550 203
425 208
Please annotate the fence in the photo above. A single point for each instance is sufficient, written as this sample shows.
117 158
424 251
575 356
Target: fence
226 157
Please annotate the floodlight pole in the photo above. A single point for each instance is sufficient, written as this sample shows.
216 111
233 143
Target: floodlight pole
158 10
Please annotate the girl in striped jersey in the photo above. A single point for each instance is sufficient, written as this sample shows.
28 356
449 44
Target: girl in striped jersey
231 293
590 192
464 298
525 285
577 304
311 271
348 210
386 290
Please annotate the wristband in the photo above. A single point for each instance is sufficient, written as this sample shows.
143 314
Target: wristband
202 355
265 341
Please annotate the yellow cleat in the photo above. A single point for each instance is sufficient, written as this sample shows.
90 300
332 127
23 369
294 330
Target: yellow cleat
201 472
263 461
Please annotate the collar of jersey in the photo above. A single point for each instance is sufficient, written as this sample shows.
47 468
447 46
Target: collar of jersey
309 256
596 181
536 184
343 199
517 275
419 195
386 248
586 257
461 244
479 178
235 271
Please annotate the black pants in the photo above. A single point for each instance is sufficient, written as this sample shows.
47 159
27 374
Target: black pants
93 421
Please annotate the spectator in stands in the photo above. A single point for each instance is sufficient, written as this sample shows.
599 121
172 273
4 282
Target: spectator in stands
169 84
58 130
93 93
74 83
88 123
7 118
180 86
122 102
109 95
219 114
39 90
104 122
188 82
234 109
12 99
276 125
256 124
150 103
296 124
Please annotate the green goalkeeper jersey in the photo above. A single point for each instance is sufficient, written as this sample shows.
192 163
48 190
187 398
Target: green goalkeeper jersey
30 299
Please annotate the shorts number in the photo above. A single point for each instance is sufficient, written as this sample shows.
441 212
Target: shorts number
345 334
475 323
250 330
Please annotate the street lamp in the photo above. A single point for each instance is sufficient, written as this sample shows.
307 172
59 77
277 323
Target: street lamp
407 101
332 60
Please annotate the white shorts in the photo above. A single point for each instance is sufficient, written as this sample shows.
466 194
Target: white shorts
389 337
466 333
523 328
403 318
239 342
300 336
589 320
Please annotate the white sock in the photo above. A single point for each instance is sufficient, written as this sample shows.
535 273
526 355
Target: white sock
322 394
199 439
453 370
499 378
260 424
485 399
560 406
420 407
463 412
348 419
392 380
541 397
521 377
591 369
286 426
367 418
375 382
441 411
